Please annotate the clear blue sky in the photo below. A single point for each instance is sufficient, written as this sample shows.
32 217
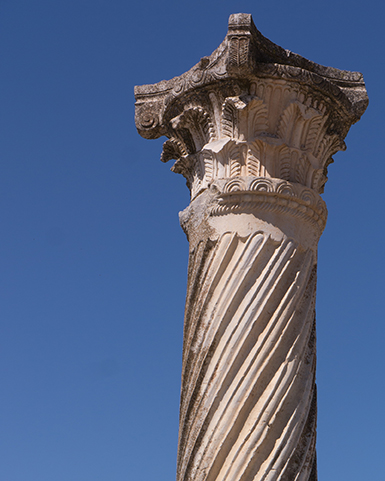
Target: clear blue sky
93 261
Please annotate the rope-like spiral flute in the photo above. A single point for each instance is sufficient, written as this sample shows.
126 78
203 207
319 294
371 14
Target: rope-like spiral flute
248 391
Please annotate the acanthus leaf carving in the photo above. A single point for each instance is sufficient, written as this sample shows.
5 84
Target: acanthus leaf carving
172 149
301 170
193 171
229 119
315 131
294 124
232 156
244 117
284 163
254 155
198 122
257 118
285 132
328 146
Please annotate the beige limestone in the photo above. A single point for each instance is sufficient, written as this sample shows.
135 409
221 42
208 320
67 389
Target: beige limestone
252 128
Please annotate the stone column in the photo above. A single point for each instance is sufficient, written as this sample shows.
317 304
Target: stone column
252 129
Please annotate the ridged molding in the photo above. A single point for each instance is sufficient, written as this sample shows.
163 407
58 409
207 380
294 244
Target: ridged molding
252 128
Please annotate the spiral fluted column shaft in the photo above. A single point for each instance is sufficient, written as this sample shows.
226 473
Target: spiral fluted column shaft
248 378
252 128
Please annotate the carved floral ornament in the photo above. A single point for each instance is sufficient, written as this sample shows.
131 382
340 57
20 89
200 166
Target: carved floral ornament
252 109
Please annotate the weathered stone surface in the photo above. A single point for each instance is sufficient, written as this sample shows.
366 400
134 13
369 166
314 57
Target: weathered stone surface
252 128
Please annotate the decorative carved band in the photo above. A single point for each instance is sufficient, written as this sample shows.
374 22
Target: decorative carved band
250 194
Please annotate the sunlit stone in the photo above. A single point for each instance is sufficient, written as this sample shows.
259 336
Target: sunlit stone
252 128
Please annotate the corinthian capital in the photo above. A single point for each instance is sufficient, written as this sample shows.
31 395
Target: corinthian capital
257 101
252 128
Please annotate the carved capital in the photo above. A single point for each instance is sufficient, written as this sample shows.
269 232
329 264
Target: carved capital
252 109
